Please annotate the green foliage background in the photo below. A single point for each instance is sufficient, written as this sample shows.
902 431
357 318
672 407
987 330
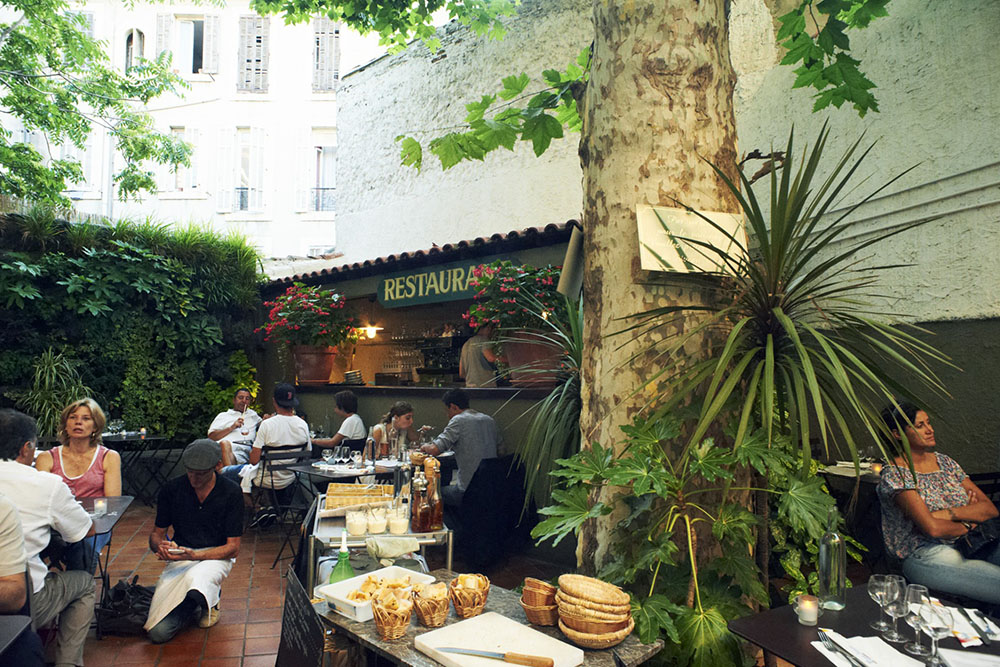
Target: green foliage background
156 320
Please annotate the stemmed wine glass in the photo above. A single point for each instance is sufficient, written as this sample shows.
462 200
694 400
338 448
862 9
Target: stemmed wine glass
327 453
895 589
876 590
343 454
936 621
915 596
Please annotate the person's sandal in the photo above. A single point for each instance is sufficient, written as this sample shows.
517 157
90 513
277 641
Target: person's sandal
210 617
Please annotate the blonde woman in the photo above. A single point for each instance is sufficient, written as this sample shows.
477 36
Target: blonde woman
90 469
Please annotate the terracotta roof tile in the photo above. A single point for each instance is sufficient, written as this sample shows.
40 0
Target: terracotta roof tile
483 245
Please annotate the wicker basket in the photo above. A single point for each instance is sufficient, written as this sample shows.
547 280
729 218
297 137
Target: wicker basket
595 590
469 602
608 640
391 623
431 613
580 605
546 615
593 626
537 597
566 609
531 582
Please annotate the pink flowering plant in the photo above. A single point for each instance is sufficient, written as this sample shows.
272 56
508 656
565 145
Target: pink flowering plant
510 296
309 316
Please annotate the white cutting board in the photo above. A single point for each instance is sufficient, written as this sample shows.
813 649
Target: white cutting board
493 632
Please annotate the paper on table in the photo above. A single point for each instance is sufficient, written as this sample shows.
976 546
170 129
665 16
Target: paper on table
964 632
871 651
957 658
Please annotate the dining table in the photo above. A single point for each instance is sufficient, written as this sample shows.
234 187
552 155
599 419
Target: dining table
503 601
779 632
11 627
104 523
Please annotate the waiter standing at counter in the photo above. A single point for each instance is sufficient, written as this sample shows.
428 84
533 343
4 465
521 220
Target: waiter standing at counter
475 364
472 435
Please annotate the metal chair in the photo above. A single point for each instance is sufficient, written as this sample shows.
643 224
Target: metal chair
290 510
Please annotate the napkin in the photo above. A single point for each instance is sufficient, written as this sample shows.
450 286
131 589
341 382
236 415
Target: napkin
870 651
964 632
387 549
957 658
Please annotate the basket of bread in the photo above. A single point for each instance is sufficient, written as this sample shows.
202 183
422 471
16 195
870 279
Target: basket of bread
392 606
431 602
538 599
354 597
593 613
468 592
342 497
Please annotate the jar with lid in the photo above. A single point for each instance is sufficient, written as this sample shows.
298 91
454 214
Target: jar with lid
419 508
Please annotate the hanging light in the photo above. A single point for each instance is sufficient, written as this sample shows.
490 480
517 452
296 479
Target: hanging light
371 330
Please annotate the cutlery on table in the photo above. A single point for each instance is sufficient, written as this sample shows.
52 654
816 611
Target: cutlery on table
986 622
515 658
983 634
831 646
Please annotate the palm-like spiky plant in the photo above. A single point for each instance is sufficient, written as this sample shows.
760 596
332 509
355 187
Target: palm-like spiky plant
805 345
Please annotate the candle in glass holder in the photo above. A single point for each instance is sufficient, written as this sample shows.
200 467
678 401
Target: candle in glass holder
100 506
877 468
807 609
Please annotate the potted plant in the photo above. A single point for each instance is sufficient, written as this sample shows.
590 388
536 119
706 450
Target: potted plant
518 299
314 324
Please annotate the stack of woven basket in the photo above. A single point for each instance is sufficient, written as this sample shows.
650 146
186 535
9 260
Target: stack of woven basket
593 613
538 600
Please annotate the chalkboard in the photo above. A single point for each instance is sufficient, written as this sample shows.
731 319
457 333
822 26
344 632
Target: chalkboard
302 631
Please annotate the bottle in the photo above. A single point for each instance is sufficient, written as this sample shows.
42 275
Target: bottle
419 509
832 566
342 570
435 520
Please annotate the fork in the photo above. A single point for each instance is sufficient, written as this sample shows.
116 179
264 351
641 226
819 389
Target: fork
831 646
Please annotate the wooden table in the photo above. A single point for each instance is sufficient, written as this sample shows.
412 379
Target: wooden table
778 631
402 651
11 628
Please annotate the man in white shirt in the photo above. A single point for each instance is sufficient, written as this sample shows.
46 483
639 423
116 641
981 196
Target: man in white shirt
235 429
43 503
352 427
26 650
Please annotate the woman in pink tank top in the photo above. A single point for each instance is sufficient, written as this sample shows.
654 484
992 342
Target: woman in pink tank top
90 469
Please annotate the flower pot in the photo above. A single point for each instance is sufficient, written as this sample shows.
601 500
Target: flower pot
534 361
313 363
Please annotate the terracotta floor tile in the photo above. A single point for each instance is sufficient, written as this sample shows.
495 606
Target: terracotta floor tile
264 615
221 662
221 632
260 660
267 629
230 616
179 662
185 651
265 601
233 603
138 654
261 645
224 649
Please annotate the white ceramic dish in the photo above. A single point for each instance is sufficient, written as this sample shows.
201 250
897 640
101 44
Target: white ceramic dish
336 594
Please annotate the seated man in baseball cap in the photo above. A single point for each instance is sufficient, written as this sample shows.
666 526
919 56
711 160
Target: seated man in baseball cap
205 512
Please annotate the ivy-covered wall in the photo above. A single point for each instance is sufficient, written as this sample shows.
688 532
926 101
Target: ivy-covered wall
155 320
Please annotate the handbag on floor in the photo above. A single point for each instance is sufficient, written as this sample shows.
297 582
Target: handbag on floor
126 608
979 537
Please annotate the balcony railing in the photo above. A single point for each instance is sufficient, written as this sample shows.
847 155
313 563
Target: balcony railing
323 199
241 200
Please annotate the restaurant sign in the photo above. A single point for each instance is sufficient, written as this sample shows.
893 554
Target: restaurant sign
445 282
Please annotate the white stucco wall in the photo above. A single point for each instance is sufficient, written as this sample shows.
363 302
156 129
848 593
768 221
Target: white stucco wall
384 207
935 65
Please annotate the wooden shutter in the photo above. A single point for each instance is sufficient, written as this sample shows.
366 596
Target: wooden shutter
191 176
164 24
210 45
326 54
225 172
253 54
258 140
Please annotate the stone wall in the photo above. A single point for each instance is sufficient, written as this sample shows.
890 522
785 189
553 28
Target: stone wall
384 207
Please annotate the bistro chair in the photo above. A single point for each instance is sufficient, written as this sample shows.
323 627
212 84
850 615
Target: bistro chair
289 505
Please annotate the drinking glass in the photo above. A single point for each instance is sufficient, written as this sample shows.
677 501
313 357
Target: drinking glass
876 590
327 454
356 458
897 609
915 596
936 621
895 589
345 454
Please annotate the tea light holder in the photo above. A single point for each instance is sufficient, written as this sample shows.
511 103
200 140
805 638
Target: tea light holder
807 609
100 506
877 468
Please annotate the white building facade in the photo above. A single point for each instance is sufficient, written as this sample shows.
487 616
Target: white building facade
260 112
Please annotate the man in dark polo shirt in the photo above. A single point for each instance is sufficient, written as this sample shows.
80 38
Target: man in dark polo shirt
206 514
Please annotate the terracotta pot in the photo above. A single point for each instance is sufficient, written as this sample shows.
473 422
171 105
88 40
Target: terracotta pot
533 360
313 363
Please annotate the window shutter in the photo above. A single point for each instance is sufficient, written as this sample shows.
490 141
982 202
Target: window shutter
258 138
191 177
164 24
326 54
210 57
225 172
253 54
88 18
304 168
264 52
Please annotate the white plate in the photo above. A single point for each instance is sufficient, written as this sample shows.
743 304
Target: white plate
336 594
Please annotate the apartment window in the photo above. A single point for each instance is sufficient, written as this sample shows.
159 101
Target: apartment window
326 54
252 62
134 44
193 41
241 170
85 157
324 192
87 20
182 179
316 179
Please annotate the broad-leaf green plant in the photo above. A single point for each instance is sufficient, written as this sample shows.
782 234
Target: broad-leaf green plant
55 384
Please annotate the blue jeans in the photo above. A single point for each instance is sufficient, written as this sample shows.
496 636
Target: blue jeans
232 473
179 618
942 567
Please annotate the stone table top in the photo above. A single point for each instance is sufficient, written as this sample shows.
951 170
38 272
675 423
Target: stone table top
403 652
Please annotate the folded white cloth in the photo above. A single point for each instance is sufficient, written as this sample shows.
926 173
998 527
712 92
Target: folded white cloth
870 651
387 549
247 474
958 658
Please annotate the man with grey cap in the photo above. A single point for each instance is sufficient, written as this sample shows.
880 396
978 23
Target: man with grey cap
205 512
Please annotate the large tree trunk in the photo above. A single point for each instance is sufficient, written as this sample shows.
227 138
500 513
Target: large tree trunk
659 103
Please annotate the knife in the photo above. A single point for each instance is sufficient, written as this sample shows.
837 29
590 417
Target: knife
983 635
985 620
515 658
